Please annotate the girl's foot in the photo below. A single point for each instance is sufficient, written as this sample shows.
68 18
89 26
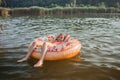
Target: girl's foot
22 60
39 64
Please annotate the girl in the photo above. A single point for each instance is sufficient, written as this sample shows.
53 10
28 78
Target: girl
60 38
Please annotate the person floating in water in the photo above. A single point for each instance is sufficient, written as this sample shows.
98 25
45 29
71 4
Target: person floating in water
60 38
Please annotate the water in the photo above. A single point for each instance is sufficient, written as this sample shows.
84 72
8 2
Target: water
99 58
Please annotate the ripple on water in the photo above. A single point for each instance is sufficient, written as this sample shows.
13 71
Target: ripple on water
99 59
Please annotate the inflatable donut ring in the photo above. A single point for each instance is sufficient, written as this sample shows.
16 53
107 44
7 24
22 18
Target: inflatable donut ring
59 50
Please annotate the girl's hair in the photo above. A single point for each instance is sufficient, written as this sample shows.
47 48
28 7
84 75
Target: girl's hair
59 36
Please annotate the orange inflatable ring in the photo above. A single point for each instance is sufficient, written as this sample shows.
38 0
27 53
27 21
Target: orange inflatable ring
60 50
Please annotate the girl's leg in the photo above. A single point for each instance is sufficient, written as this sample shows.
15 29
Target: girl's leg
31 49
44 50
67 37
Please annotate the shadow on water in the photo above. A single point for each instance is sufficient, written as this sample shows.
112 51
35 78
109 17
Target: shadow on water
98 60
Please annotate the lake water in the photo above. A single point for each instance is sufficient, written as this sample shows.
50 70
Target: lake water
99 58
